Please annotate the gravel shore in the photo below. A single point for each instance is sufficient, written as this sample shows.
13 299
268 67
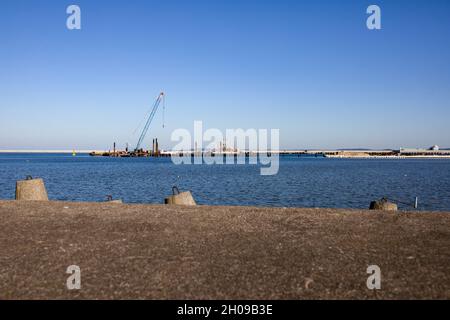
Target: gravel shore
171 252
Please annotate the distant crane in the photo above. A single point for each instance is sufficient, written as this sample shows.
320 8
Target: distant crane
161 98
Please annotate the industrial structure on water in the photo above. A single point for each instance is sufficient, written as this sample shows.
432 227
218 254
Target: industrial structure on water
139 150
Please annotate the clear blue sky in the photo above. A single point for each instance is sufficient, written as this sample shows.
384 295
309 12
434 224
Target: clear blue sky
311 69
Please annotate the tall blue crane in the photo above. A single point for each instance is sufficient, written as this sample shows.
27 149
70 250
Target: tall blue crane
149 120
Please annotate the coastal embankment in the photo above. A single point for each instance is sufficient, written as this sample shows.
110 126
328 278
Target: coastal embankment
171 252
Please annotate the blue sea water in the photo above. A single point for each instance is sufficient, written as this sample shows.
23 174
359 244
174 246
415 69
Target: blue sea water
301 181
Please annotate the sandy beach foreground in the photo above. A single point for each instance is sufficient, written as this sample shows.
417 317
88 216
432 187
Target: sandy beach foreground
161 252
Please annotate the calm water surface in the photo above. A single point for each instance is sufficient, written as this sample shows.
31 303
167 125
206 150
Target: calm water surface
301 182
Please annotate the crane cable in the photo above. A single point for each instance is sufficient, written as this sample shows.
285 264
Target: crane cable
148 113
164 110
142 121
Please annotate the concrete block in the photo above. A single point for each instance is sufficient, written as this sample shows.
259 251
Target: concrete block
384 205
31 190
180 198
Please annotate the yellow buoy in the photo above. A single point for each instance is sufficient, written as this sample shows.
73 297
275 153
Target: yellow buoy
74 153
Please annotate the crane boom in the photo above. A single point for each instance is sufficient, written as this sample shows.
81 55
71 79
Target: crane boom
149 120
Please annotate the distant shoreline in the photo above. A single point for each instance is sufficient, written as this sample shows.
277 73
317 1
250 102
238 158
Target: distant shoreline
346 155
386 157
45 151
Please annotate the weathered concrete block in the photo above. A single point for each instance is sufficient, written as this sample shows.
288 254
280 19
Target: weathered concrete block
383 204
180 198
31 190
